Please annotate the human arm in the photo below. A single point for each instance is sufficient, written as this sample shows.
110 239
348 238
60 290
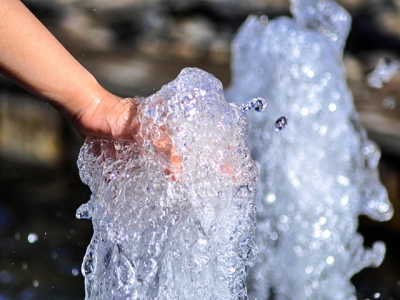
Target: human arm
32 57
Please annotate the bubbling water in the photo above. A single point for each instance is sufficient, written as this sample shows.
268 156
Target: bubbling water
319 173
156 237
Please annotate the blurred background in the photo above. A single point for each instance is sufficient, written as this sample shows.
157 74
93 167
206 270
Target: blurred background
133 47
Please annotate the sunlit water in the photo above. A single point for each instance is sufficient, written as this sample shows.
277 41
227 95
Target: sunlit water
319 173
173 231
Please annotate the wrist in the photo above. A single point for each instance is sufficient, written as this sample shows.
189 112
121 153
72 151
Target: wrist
90 110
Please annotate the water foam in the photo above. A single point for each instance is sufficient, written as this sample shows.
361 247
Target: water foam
319 173
157 236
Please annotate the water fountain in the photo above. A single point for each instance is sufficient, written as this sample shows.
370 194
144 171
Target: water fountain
320 173
183 234
174 218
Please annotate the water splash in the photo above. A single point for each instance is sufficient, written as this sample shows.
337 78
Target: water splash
318 177
159 238
383 72
258 104
281 123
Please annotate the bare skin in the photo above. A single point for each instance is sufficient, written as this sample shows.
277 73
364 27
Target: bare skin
33 58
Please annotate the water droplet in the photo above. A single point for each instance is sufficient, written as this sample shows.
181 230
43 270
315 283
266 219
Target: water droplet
273 236
84 212
74 272
330 260
281 123
283 219
323 130
383 72
297 249
32 238
389 102
258 104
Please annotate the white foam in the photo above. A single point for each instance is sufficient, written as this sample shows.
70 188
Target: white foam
317 168
156 237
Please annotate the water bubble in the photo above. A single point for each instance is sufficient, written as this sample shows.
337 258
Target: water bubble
258 104
88 265
281 123
84 212
32 238
35 283
292 32
283 219
264 19
309 269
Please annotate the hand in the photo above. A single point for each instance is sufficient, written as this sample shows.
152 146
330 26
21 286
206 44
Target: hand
120 119
34 59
